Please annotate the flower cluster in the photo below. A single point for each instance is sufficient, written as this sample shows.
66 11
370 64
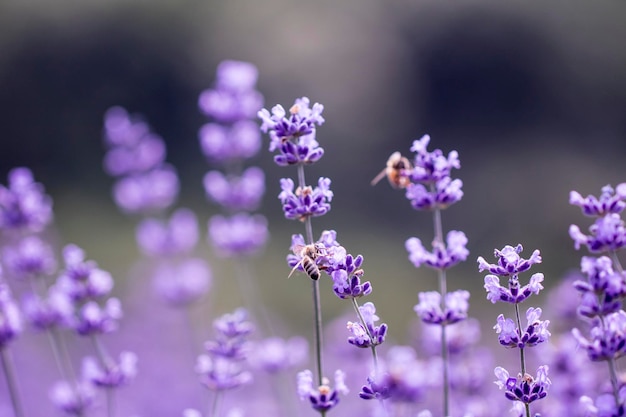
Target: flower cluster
511 334
230 139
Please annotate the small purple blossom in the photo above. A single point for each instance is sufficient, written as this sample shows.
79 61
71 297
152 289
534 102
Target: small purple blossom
513 293
605 405
147 192
274 354
607 234
305 201
93 319
218 373
10 317
536 331
183 282
112 374
240 235
57 309
29 257
82 280
177 236
607 339
524 388
323 397
369 334
509 261
240 140
429 309
236 192
604 289
442 256
294 135
441 195
72 399
430 167
148 153
610 201
24 204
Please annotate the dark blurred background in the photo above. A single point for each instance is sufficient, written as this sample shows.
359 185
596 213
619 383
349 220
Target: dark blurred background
532 95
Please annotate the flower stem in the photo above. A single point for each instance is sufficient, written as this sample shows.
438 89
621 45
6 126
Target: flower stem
9 374
369 334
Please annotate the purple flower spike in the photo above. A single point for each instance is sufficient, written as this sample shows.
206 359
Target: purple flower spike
72 399
305 202
236 193
56 310
513 294
24 204
29 257
525 389
604 289
120 129
82 280
113 374
610 201
147 192
10 318
239 235
361 335
442 257
93 319
322 398
177 236
220 374
429 308
430 167
607 234
509 261
446 192
182 283
605 405
274 355
536 332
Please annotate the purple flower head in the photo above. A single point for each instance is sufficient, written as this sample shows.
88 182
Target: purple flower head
82 280
151 191
177 236
148 153
123 130
72 399
610 201
274 355
323 397
24 204
513 293
370 334
326 252
182 283
112 374
607 339
442 256
460 338
405 379
605 405
294 135
509 262
55 310
231 336
93 319
234 97
604 289
10 317
429 309
441 194
29 257
524 388
430 167
218 373
536 331
236 193
234 324
305 201
607 234
240 235
241 140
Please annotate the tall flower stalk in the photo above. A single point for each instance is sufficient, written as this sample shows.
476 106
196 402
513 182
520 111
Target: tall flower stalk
429 186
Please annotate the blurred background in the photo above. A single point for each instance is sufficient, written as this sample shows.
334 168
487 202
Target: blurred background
532 96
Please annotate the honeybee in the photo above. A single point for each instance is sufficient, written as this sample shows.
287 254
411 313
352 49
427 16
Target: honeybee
395 171
308 255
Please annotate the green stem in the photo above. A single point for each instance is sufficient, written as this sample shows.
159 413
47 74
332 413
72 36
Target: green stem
9 374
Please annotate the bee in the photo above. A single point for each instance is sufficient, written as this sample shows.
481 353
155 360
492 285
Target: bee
395 171
308 255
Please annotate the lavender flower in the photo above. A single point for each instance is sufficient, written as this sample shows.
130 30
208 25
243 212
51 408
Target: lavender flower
305 201
610 201
81 279
93 319
147 192
430 167
29 257
524 388
442 257
604 289
430 310
220 374
112 374
605 405
10 317
275 354
177 236
369 335
240 235
323 397
241 140
181 283
606 342
57 309
72 400
536 331
509 261
236 192
24 204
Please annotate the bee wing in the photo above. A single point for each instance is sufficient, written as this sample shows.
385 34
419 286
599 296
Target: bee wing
379 177
294 269
297 249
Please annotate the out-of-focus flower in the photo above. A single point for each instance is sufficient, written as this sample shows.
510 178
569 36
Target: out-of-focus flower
81 279
442 256
240 235
236 192
112 374
178 235
181 283
275 354
29 257
10 317
323 397
24 204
